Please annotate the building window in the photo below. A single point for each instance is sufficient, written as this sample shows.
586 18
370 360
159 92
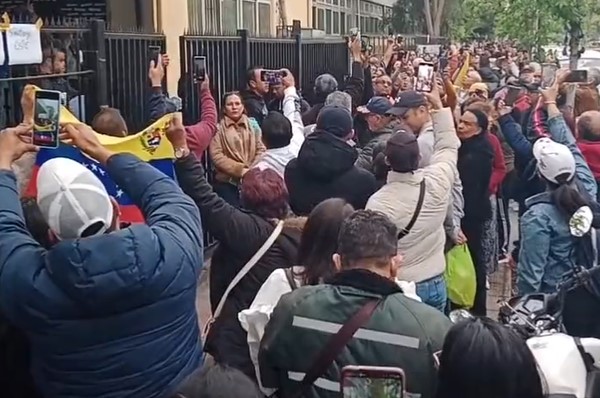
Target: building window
328 24
336 23
249 16
195 10
314 18
321 19
264 19
230 15
343 30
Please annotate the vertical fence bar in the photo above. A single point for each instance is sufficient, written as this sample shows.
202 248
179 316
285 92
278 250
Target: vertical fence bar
244 55
297 34
101 80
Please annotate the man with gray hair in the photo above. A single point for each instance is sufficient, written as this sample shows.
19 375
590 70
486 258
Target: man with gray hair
337 98
326 84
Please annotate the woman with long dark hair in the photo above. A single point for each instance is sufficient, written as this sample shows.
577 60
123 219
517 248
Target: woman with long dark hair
475 165
318 244
548 250
482 358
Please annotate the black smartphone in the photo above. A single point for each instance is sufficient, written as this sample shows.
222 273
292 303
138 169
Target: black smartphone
372 381
199 68
511 95
154 52
425 77
45 118
577 76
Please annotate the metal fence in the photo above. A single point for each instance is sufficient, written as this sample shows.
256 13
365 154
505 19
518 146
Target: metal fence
228 57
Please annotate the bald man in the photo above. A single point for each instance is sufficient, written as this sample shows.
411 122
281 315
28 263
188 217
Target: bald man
588 129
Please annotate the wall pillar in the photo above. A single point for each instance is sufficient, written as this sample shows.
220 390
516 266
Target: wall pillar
172 21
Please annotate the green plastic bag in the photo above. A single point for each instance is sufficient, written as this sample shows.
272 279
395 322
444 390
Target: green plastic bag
460 277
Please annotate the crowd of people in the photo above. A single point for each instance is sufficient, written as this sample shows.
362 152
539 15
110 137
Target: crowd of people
329 216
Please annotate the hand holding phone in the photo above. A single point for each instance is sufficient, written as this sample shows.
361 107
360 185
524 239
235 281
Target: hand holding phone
46 118
372 381
512 94
548 74
199 68
154 52
577 76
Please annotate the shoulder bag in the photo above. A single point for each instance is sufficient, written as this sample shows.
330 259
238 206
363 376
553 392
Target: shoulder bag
245 269
413 220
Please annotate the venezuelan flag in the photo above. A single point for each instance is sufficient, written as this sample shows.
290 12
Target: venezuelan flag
150 145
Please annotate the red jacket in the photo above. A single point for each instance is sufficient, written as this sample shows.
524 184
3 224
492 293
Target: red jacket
499 169
591 153
201 134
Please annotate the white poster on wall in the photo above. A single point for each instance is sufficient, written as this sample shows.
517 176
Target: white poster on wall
24 44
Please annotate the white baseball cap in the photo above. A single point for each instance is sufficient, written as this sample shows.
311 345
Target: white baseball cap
553 159
72 199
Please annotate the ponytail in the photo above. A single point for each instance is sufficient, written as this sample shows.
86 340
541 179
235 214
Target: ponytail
567 198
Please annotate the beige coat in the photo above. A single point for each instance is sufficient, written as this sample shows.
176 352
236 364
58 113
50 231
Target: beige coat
235 148
423 247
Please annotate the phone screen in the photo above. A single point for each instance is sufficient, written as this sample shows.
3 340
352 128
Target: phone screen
425 78
512 95
548 74
154 52
577 76
369 382
45 118
200 68
273 77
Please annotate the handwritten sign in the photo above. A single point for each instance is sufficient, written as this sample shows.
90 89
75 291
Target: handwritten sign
24 44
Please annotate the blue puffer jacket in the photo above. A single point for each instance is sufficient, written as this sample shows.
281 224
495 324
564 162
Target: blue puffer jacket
114 315
546 244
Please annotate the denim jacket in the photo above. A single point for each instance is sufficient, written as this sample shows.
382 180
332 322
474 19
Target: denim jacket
546 243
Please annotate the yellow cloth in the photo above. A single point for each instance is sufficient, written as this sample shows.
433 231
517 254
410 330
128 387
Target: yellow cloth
461 76
149 144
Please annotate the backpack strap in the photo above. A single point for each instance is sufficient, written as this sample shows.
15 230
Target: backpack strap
413 220
289 275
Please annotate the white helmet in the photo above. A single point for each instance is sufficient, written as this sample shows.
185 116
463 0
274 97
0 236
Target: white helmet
553 159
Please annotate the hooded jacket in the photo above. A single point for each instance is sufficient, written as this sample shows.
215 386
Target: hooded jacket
240 234
256 107
365 154
114 314
325 169
546 242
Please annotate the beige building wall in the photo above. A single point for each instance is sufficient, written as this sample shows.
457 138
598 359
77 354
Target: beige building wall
171 19
300 10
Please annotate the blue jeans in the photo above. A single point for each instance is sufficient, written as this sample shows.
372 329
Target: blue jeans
433 292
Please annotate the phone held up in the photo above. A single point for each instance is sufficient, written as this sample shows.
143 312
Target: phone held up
273 77
512 95
577 76
372 381
199 68
548 74
425 77
154 52
45 118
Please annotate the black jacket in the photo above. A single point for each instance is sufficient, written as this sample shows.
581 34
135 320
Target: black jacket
325 169
255 105
354 86
475 162
240 235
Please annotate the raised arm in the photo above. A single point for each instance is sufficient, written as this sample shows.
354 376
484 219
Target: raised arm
157 103
201 134
21 257
291 110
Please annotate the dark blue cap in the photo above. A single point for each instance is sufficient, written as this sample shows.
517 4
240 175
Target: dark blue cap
406 101
335 120
376 105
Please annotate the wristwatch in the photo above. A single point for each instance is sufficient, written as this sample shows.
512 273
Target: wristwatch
181 152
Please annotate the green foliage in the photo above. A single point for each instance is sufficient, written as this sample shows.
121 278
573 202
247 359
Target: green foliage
408 17
534 23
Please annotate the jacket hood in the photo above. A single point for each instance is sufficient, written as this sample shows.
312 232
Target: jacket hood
390 128
591 153
103 271
325 156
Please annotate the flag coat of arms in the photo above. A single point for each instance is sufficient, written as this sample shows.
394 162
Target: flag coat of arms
150 145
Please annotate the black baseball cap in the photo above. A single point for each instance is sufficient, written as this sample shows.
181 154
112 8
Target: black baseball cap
376 105
335 120
406 101
402 151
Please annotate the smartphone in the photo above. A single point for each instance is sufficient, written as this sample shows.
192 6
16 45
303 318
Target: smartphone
273 77
425 77
355 33
154 52
399 39
577 76
548 74
511 95
372 381
45 118
199 68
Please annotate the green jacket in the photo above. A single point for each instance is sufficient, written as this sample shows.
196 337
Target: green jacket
401 333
